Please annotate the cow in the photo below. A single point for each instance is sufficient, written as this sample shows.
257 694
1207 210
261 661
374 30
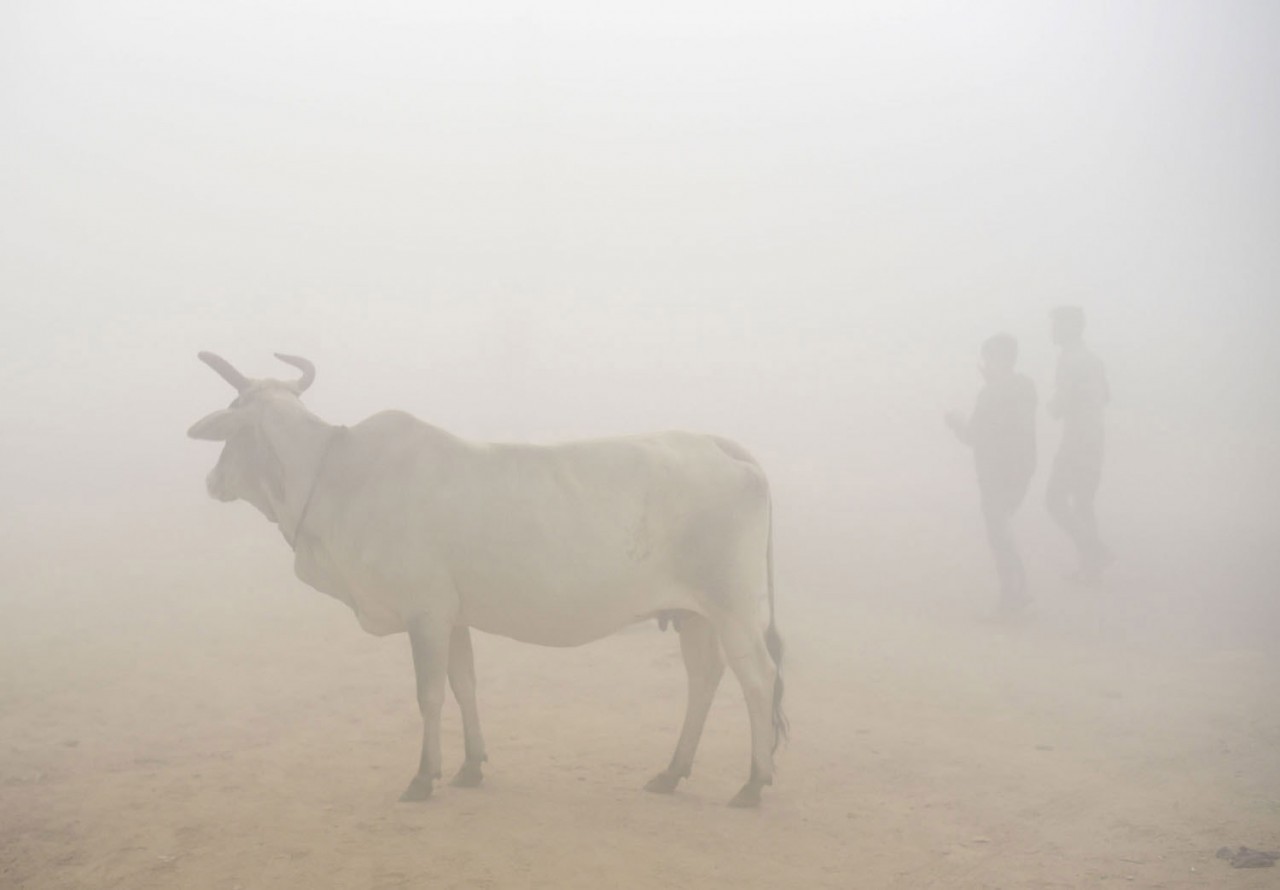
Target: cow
422 532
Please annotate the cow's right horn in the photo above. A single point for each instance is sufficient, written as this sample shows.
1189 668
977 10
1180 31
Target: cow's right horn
224 369
308 371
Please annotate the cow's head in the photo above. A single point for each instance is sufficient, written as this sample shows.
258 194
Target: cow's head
251 467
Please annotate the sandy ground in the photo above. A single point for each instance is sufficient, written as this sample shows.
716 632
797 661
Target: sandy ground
176 714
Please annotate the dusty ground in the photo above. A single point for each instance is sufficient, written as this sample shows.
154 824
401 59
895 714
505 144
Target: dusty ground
175 714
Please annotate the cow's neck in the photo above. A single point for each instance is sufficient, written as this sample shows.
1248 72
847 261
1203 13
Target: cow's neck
300 441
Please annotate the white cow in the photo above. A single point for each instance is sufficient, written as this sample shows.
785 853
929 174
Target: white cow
420 531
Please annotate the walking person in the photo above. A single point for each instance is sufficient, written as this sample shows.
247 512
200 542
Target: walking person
1079 399
1002 433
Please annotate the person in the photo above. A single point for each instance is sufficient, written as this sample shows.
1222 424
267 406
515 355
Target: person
1080 396
1002 433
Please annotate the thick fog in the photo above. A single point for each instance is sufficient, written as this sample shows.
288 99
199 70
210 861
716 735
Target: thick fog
791 225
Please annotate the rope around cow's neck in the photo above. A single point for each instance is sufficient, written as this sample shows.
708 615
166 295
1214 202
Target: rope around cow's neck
315 481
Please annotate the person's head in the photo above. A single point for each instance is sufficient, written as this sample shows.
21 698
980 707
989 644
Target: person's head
999 355
1067 324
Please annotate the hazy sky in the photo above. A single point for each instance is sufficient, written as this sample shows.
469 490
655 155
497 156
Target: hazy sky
792 223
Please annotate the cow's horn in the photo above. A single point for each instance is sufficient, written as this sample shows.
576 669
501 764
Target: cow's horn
224 369
308 371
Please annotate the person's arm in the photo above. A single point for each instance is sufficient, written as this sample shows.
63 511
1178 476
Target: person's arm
978 424
959 425
1027 427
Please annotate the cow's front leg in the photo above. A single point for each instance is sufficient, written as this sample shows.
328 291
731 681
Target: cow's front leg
429 638
462 679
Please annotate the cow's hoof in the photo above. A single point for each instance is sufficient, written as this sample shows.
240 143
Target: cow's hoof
468 776
419 789
747 798
663 783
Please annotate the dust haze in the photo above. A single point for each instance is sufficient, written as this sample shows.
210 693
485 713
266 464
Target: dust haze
792 226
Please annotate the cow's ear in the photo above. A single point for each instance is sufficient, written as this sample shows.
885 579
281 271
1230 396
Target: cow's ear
217 427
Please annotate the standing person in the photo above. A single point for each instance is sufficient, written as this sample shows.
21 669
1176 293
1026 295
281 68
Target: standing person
1080 395
1002 433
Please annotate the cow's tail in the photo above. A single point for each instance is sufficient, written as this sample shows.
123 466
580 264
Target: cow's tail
773 642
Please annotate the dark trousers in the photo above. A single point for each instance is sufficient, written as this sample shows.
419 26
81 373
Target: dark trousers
1073 484
999 504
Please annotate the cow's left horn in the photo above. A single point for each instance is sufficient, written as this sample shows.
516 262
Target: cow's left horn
308 371
224 369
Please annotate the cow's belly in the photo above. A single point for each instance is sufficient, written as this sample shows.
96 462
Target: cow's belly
568 615
553 576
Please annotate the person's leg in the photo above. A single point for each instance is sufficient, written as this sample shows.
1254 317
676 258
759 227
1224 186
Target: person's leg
1017 594
1063 499
1093 555
1057 496
998 512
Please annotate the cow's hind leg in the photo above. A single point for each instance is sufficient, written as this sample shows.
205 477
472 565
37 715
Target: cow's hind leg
430 642
705 666
749 659
462 679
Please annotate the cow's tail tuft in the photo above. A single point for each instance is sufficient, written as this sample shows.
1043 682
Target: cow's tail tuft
773 642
